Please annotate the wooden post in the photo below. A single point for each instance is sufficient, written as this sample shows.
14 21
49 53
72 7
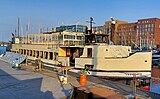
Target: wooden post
134 85
26 60
39 63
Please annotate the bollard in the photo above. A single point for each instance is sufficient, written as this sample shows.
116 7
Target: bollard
17 65
65 80
61 77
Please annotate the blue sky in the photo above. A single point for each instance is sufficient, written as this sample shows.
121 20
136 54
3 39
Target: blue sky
51 13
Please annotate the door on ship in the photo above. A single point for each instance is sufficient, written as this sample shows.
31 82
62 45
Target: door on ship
73 53
69 53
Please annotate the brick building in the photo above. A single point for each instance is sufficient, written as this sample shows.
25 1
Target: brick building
127 34
110 28
149 32
144 33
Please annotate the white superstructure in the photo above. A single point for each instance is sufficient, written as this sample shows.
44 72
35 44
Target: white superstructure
113 58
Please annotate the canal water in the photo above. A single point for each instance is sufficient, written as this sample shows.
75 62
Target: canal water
155 85
155 80
2 49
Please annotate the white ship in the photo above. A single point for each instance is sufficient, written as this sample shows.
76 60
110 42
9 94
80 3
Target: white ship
81 50
103 59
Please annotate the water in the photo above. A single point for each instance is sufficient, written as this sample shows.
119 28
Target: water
2 49
155 85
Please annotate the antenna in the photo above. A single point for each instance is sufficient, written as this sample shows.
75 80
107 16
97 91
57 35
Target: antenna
91 22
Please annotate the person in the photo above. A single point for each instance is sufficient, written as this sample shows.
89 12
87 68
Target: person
74 55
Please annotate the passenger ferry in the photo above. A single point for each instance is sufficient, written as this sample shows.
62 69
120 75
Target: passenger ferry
83 51
99 56
50 47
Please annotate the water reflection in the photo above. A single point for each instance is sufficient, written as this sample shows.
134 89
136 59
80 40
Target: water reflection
155 85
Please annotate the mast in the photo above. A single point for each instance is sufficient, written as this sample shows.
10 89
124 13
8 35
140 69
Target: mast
27 30
89 37
18 26
15 32
28 26
91 22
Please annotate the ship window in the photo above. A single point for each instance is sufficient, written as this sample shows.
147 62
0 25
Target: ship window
41 54
46 55
30 53
33 53
79 37
60 37
24 52
37 54
65 36
89 52
80 52
99 39
50 55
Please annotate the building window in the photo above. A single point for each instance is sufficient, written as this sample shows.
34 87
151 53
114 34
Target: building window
152 29
60 37
148 25
89 52
65 36
79 37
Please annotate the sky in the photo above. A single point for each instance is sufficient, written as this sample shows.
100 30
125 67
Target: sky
52 13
